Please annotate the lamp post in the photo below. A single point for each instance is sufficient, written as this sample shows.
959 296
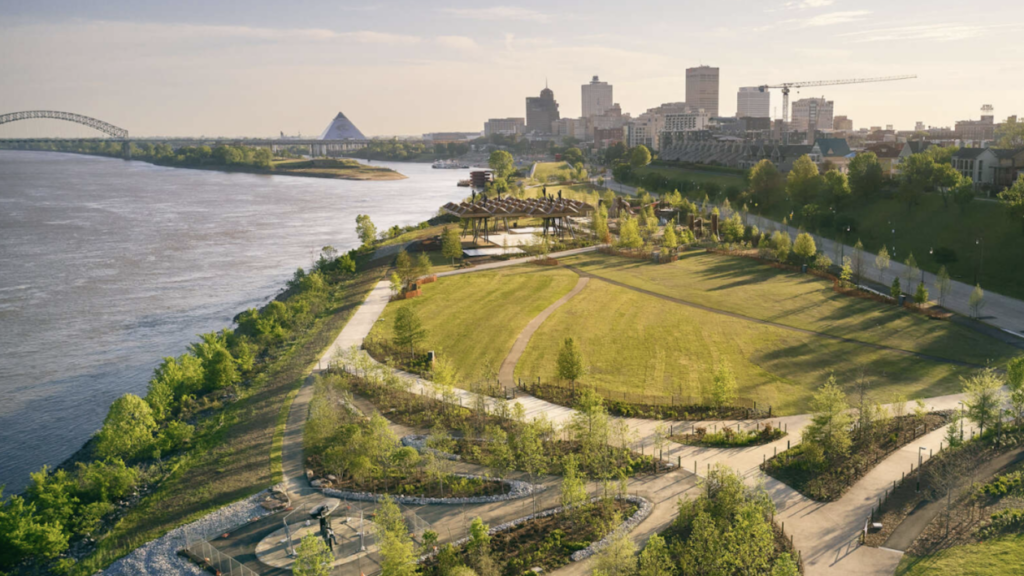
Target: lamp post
979 242
962 416
920 461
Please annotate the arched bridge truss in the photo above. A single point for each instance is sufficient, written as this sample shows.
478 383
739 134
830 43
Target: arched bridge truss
106 128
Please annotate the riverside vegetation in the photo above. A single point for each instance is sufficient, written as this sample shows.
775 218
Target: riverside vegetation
207 433
223 157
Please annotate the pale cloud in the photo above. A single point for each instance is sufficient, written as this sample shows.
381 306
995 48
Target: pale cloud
802 4
938 32
829 19
457 42
499 13
370 37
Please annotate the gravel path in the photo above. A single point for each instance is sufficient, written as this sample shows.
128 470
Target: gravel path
160 557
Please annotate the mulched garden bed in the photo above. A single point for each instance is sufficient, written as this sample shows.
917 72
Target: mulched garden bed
415 484
548 542
730 438
641 407
827 482
632 463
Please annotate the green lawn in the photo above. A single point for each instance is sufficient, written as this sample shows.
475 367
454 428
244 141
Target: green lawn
545 170
997 557
753 289
639 343
701 176
475 318
581 192
929 225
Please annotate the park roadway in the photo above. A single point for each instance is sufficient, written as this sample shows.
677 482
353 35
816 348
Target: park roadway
826 534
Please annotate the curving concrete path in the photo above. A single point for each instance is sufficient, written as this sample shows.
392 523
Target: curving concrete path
506 374
825 533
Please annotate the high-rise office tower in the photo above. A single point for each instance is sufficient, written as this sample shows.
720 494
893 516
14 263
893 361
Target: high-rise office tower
751 102
541 111
702 89
597 98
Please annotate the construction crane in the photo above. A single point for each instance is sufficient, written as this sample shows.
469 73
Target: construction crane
786 86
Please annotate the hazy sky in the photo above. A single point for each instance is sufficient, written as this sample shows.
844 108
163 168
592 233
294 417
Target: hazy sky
402 67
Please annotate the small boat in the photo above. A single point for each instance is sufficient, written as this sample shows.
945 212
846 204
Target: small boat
465 183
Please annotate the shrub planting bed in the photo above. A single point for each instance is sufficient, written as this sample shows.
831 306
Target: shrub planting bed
730 438
555 451
827 481
547 540
640 405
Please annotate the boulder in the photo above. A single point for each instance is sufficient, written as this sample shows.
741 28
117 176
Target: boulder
317 483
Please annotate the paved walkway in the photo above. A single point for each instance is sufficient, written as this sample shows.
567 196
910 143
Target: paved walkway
826 534
1001 311
919 519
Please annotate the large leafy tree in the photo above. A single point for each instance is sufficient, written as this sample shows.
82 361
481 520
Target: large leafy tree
314 557
127 429
803 183
1010 134
804 246
408 329
917 175
767 183
502 163
24 534
1012 200
984 397
640 156
865 175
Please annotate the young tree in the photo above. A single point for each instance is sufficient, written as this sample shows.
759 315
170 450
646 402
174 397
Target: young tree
574 492
829 428
423 265
865 175
530 456
408 329
618 558
976 301
669 240
1015 382
984 397
502 163
781 245
944 284
314 557
910 271
479 549
397 551
500 458
655 559
600 222
921 294
127 430
723 387
882 262
396 284
570 365
1012 200
895 290
847 272
629 233
804 247
404 267
803 183
366 230
858 261
451 244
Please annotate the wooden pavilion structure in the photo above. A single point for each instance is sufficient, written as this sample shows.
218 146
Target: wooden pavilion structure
553 212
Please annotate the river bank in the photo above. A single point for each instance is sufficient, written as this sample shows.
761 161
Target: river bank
333 168
114 265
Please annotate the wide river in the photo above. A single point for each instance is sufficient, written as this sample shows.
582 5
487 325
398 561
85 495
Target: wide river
106 266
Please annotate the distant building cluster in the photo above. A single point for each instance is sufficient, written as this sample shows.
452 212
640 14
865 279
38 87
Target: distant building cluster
693 130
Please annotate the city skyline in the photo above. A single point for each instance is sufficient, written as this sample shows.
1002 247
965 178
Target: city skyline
403 68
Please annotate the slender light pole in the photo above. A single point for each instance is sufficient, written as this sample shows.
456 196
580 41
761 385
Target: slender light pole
962 415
